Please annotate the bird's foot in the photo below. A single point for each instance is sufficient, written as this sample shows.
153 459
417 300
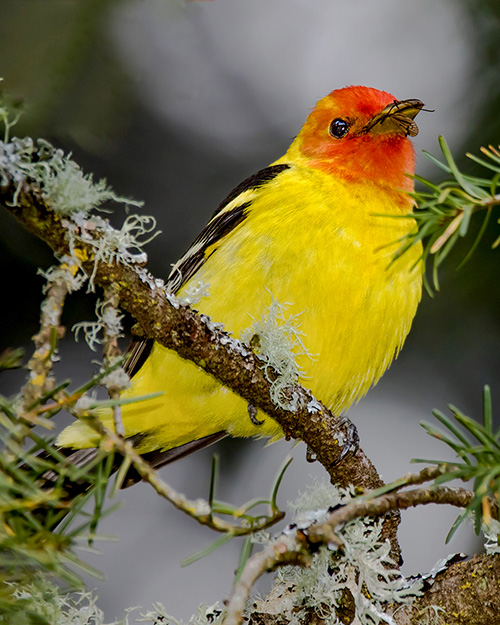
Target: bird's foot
252 413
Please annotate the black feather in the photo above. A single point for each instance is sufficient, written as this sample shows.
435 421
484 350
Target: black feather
254 181
220 225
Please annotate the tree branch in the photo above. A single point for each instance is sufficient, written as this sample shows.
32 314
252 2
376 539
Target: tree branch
324 533
196 338
298 548
467 591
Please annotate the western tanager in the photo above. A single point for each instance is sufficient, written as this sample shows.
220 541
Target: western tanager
315 231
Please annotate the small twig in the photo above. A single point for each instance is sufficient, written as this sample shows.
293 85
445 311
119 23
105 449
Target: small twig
199 510
111 353
494 200
279 553
69 400
40 381
425 475
410 479
324 533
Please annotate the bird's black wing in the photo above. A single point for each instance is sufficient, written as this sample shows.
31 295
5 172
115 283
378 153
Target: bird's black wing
228 215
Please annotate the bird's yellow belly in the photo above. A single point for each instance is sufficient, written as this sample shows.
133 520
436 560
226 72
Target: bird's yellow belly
353 311
353 308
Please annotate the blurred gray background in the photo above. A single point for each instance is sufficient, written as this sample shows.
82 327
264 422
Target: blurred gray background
175 102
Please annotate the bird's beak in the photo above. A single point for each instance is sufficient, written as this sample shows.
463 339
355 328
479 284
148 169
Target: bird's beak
396 118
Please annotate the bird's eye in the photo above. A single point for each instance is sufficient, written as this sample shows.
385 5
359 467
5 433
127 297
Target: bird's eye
339 128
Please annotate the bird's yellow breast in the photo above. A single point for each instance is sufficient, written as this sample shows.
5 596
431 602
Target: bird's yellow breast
324 248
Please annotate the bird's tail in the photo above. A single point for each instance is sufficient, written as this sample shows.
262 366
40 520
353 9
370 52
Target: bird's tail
82 458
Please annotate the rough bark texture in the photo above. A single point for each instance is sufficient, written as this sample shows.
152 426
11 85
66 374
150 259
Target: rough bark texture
468 592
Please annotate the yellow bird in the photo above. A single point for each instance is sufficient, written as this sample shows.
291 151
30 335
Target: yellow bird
315 232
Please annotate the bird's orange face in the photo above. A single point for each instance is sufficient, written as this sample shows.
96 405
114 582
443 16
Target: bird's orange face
361 133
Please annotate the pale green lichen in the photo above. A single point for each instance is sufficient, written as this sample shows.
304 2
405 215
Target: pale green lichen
73 280
363 567
277 340
6 113
117 379
43 603
317 498
491 532
108 319
65 187
15 158
73 195
62 184
85 403
193 293
112 245
431 615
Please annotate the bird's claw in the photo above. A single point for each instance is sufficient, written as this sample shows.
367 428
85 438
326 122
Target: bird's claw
252 413
351 440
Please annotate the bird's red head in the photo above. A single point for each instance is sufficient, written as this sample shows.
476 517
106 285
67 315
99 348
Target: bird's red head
360 133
